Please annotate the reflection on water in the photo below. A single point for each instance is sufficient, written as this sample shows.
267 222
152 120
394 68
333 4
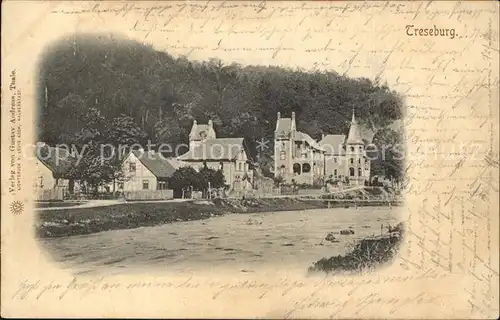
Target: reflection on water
235 242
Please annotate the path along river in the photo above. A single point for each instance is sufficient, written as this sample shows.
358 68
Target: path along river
237 242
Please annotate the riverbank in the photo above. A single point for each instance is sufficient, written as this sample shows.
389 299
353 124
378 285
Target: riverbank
366 255
79 221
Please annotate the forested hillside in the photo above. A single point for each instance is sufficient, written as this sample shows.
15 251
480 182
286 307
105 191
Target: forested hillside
88 84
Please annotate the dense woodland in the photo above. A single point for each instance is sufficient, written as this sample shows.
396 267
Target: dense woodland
96 89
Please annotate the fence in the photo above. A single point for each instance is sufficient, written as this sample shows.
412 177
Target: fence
93 196
149 195
50 194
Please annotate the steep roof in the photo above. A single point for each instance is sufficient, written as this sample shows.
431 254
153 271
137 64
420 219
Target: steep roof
202 131
160 166
333 143
215 149
198 130
354 136
284 125
57 160
301 136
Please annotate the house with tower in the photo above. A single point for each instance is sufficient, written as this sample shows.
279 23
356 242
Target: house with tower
299 158
231 155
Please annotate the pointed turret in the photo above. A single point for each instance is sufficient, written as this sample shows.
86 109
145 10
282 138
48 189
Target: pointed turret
354 136
193 130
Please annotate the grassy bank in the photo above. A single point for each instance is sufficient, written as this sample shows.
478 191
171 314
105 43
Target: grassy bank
366 255
53 204
77 221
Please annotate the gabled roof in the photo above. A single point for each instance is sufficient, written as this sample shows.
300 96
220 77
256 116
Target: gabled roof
155 162
215 149
284 125
333 143
57 160
202 131
198 131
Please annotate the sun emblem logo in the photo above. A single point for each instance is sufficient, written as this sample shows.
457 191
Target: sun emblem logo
16 207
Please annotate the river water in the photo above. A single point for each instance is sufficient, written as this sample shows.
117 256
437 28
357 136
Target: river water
235 242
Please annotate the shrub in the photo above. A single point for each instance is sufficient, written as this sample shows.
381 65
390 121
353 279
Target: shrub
366 255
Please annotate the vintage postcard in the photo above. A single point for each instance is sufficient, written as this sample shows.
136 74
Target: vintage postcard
250 159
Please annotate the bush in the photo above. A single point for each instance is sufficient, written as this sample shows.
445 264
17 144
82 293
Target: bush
366 255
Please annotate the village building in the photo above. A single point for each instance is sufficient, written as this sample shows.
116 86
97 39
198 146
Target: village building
299 158
51 172
345 158
147 170
231 155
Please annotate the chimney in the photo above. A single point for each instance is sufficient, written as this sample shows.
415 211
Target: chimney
279 115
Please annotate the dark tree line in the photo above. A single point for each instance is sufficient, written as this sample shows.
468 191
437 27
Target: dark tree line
149 95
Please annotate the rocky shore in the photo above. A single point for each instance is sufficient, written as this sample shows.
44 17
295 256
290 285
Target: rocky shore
367 254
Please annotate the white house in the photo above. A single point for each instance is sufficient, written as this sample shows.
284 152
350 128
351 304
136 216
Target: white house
147 170
231 155
51 169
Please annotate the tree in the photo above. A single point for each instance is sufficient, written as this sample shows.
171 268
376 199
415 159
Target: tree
389 158
278 180
219 181
185 178
137 89
123 131
215 177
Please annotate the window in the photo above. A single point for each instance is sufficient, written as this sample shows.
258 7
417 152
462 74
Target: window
351 172
162 185
132 167
359 160
360 148
120 185
335 159
359 172
145 184
296 168
41 181
335 172
352 149
352 160
306 167
282 155
283 169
